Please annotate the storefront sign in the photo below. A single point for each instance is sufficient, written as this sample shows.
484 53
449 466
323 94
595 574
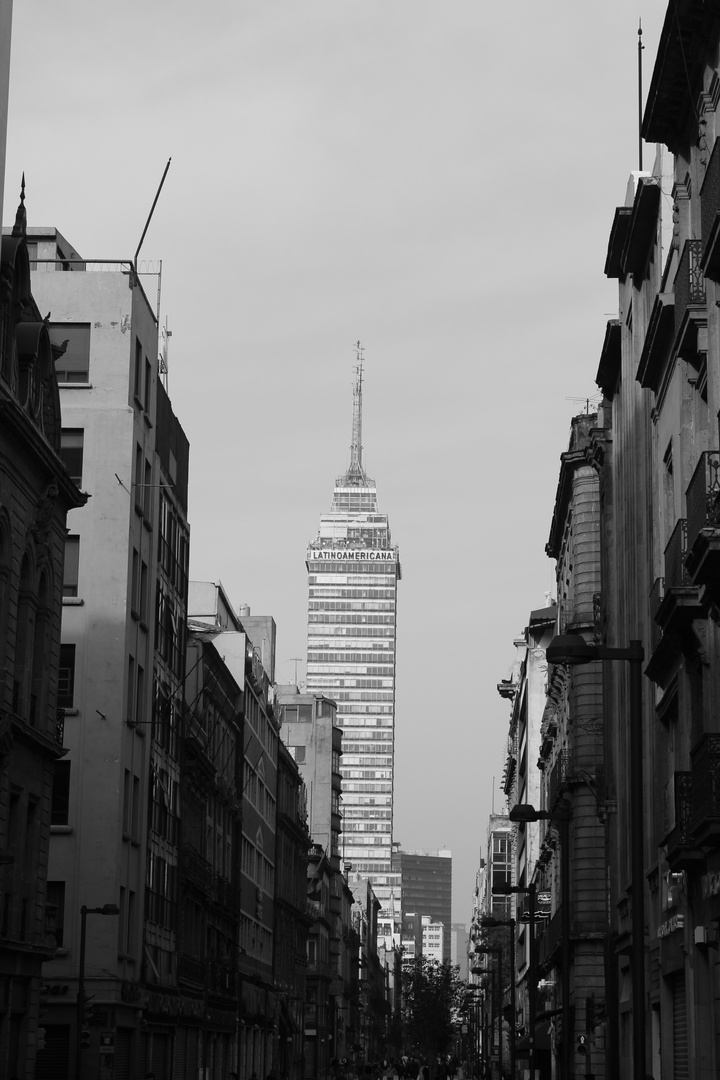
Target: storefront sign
710 884
676 922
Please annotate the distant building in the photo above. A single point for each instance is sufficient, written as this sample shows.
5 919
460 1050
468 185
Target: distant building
372 983
433 939
412 935
312 738
459 948
499 870
427 888
353 572
310 733
291 914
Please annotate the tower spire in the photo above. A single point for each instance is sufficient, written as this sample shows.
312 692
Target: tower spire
356 473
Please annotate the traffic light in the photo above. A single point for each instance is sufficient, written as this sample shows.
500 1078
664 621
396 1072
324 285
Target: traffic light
41 1038
85 1038
582 1044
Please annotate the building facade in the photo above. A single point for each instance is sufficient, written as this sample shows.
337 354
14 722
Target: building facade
353 573
314 741
106 327
427 889
36 494
292 918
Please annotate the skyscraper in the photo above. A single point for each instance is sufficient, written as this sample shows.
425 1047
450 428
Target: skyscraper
427 888
353 571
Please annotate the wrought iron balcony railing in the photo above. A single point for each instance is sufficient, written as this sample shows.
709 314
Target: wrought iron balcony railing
689 281
195 868
675 552
703 496
705 784
710 197
657 595
558 778
682 852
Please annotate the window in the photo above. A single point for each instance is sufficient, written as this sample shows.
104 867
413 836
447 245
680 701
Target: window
148 384
74 365
71 452
130 704
143 609
66 677
138 478
60 805
138 369
131 806
71 565
147 493
134 583
56 901
140 703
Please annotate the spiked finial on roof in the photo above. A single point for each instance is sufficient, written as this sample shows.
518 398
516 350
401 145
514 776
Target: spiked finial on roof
20 226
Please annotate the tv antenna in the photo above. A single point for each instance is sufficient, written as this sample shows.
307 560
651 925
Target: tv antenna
591 403
296 660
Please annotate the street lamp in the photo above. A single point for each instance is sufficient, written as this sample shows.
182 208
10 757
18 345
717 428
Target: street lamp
522 813
488 922
572 649
106 909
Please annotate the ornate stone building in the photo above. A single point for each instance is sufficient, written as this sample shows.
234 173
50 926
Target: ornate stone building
36 493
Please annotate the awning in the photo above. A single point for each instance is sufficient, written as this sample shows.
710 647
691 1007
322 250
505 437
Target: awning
542 1038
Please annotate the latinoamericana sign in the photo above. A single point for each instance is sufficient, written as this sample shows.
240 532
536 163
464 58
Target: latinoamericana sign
353 555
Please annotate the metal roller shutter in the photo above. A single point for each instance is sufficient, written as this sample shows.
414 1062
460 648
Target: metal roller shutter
53 1062
123 1052
681 1070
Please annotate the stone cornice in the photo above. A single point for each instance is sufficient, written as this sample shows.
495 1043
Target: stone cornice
678 72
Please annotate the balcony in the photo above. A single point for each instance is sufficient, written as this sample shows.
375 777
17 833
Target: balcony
226 894
221 979
703 522
657 595
690 310
192 970
60 726
195 869
680 603
682 852
559 778
705 783
710 216
549 941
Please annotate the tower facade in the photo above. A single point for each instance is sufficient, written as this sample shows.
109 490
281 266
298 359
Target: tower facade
427 889
353 573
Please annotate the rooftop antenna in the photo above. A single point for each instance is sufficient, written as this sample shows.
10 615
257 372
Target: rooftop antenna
163 358
592 400
152 211
640 52
356 473
297 660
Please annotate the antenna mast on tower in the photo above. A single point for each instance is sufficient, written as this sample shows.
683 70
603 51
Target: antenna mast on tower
356 473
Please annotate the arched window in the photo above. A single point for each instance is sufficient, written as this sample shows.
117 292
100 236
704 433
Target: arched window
37 712
25 638
5 558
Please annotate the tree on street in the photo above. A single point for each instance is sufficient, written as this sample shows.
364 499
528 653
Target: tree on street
432 996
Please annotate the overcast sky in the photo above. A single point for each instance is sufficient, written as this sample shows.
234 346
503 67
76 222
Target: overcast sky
436 179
